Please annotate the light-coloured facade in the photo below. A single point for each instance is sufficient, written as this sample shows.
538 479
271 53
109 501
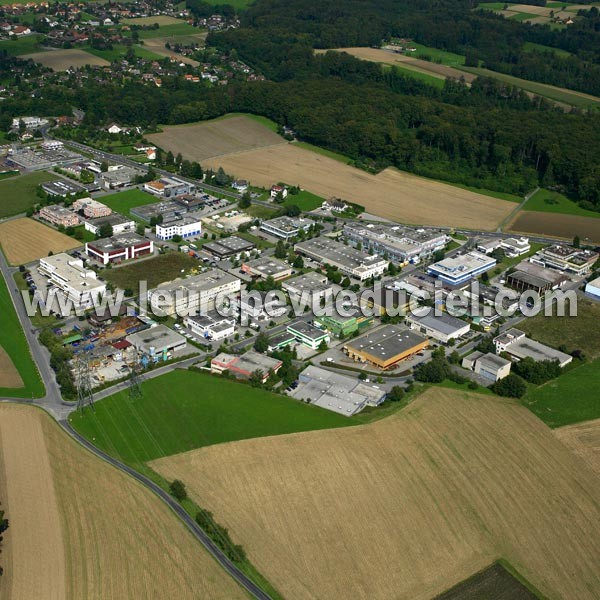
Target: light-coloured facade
460 269
489 366
91 208
184 227
59 215
442 328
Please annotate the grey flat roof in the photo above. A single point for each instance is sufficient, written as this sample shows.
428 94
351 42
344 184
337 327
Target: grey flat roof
229 245
310 281
307 330
160 337
117 242
493 360
536 350
268 265
328 250
443 323
533 280
204 281
386 342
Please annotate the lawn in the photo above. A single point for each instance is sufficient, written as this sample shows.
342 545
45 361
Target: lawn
304 200
573 333
511 261
123 202
523 17
541 89
258 211
184 410
542 48
25 45
118 51
437 82
436 55
571 398
167 30
15 344
18 194
161 268
260 243
548 201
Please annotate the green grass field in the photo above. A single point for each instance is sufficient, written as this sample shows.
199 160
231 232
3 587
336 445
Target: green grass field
168 30
304 200
25 45
184 410
118 51
258 211
260 243
574 333
18 194
542 48
571 398
541 89
548 201
520 16
15 344
123 202
437 82
439 56
161 268
237 4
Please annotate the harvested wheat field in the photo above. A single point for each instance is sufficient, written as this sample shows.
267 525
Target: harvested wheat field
408 506
584 440
24 240
389 57
557 225
391 194
81 529
215 138
61 60
9 376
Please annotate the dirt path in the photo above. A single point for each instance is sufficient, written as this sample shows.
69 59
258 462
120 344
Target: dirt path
35 536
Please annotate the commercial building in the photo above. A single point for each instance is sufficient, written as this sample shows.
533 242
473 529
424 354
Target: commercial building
119 176
385 347
512 247
341 326
229 247
307 334
195 294
244 366
211 325
168 187
443 327
264 267
118 223
519 346
260 306
400 244
286 228
157 342
185 227
115 249
566 258
311 284
69 275
167 210
59 215
592 288
280 341
350 261
91 208
339 393
61 188
460 269
490 366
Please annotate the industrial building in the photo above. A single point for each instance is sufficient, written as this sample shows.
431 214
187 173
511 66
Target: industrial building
385 347
260 305
118 223
512 247
400 244
350 261
286 228
211 325
518 345
461 268
307 334
119 176
281 341
184 227
264 267
157 342
532 276
489 366
566 258
229 247
339 393
244 366
168 187
69 275
59 216
442 327
592 288
311 284
120 247
61 188
194 295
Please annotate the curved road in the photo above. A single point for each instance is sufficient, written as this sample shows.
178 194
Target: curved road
53 404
